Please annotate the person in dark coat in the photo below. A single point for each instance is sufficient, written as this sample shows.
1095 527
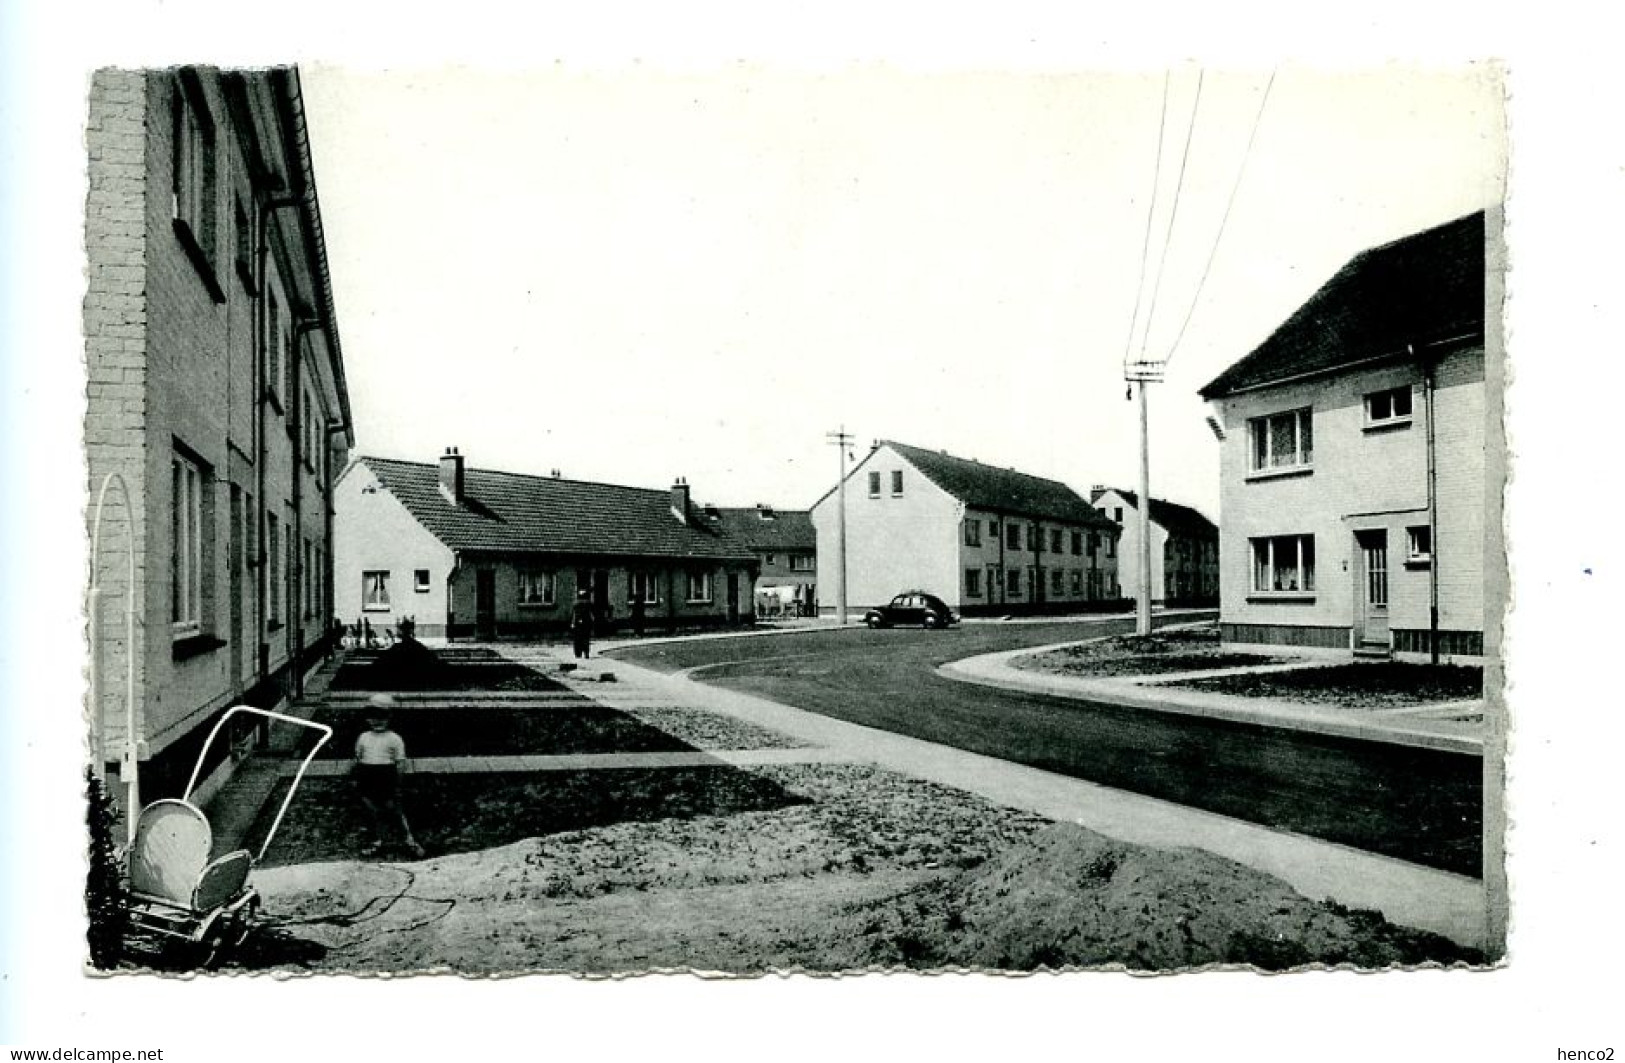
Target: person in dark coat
581 620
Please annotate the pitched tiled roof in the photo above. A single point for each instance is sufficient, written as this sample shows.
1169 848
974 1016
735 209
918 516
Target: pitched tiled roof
513 512
1182 520
1420 289
1002 490
787 530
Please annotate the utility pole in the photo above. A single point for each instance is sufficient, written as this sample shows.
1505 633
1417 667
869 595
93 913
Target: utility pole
841 440
1143 373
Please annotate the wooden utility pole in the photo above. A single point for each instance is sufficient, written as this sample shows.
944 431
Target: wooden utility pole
1144 373
841 440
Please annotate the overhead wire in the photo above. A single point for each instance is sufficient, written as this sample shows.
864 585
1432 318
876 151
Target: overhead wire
1223 221
1150 212
1173 213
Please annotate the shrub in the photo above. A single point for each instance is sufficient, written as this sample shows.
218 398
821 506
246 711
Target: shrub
406 628
104 888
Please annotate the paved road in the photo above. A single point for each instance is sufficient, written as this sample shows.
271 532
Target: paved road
1417 805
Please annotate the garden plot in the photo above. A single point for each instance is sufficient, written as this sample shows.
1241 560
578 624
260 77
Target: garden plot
812 867
411 666
580 726
1192 650
1362 685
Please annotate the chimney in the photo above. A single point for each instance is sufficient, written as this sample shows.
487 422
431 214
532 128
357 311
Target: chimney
451 476
1095 492
679 500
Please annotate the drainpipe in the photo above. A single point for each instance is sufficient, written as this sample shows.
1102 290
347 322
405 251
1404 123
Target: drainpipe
1004 597
1429 385
296 423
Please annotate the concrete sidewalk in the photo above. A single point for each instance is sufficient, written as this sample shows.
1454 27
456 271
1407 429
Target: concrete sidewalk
1408 894
1436 726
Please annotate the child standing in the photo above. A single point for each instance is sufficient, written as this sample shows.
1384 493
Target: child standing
380 755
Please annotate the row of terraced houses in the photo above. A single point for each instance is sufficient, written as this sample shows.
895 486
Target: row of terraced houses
231 524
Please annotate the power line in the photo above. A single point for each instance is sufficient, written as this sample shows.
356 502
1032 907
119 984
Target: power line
1150 211
1173 213
1214 253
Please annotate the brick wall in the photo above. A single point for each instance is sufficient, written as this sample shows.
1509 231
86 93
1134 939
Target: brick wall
115 361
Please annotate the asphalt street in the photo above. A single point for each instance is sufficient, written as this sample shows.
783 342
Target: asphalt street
1417 805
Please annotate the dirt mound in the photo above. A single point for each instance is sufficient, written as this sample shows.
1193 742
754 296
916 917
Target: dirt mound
408 665
1069 897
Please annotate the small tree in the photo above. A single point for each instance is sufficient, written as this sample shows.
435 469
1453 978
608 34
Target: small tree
406 628
104 888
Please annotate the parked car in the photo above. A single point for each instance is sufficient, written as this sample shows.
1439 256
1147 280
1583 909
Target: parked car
912 607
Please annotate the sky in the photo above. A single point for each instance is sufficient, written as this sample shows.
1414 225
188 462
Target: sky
635 274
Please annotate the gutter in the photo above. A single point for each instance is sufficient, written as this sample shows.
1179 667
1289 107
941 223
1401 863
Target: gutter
1392 356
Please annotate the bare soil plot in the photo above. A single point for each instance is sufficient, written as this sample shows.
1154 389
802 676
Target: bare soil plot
827 868
1363 685
1161 653
412 666
586 727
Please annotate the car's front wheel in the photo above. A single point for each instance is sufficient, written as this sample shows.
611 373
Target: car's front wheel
873 622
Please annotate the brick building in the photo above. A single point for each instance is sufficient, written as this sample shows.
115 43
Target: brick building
216 394
1184 548
477 553
786 548
1354 469
985 540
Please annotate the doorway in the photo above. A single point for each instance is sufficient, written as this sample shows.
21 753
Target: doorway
1371 588
485 604
733 597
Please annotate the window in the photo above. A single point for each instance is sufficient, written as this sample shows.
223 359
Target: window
1077 543
770 559
307 596
1390 407
1077 581
1013 536
375 590
802 563
273 578
643 587
1111 546
186 547
973 533
993 530
195 184
874 485
1419 545
699 586
896 482
273 343
973 583
536 587
242 230
1012 583
1282 441
1117 514
1055 540
1284 564
1032 537
420 581
1056 576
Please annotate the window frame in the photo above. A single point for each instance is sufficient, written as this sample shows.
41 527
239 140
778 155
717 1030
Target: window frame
377 600
897 483
874 483
1415 558
526 582
1266 568
195 180
1392 419
422 581
708 595
187 569
803 563
1012 583
1261 443
973 531
1012 535
973 583
642 588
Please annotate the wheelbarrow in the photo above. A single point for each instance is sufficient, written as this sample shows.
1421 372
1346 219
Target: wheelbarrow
179 896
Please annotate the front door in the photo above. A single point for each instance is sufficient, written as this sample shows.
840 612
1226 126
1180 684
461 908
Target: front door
485 603
733 597
1371 595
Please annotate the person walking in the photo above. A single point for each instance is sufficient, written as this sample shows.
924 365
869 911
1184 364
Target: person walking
581 620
